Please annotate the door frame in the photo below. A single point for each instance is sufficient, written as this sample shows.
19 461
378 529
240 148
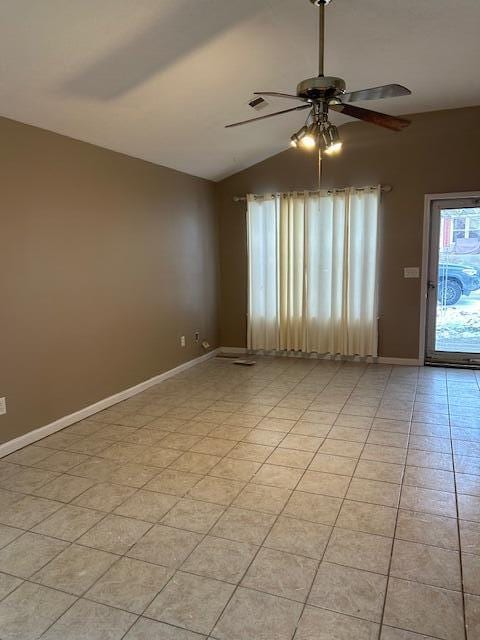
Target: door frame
429 199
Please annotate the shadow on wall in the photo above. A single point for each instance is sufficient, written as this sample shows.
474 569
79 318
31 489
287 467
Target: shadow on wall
157 47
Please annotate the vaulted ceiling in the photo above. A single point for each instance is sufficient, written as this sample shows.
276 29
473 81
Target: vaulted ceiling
159 79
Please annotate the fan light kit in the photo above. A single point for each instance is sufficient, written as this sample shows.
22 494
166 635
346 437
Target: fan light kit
324 93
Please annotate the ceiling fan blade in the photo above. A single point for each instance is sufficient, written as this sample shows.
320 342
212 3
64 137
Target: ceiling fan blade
270 115
374 117
377 93
275 94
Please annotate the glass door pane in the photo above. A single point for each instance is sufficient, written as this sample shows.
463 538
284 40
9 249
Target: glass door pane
453 326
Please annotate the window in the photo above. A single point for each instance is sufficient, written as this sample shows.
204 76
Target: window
313 272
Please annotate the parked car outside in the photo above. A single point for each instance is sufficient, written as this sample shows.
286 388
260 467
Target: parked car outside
455 280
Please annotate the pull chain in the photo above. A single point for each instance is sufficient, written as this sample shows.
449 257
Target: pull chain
319 169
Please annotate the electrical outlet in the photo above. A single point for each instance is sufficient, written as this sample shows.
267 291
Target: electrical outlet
182 341
3 406
196 336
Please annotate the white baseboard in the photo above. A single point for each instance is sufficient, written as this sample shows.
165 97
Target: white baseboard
409 362
86 412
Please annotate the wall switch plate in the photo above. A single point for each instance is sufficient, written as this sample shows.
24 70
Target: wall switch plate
411 272
196 336
3 406
182 341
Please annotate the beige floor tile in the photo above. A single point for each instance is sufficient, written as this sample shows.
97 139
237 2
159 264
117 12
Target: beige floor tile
240 470
192 602
333 464
7 534
27 612
75 569
472 614
250 451
319 417
115 534
290 458
217 490
27 511
341 448
440 503
313 507
193 515
145 629
251 614
90 620
388 438
351 434
298 537
356 422
301 442
28 553
27 479
133 475
381 471
374 491
319 624
157 456
471 573
165 545
383 453
29 456
327 484
469 484
282 574
195 462
104 497
220 559
424 609
369 518
263 498
426 528
8 584
350 591
243 525
430 460
425 478
276 424
426 564
61 461
277 476
148 506
181 441
64 488
470 536
310 429
130 585
213 446
264 437
469 507
173 482
359 550
69 522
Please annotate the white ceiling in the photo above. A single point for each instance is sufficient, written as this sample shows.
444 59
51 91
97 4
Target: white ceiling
158 79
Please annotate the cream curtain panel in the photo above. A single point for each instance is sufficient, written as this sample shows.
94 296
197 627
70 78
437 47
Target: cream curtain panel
313 272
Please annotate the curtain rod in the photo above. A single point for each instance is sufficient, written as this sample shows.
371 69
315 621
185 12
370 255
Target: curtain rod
386 188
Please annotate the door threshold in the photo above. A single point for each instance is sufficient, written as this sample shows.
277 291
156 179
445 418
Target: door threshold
452 365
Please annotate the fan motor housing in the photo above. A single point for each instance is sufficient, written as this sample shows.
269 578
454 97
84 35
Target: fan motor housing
321 87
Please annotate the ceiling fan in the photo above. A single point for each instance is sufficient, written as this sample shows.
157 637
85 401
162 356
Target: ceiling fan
323 93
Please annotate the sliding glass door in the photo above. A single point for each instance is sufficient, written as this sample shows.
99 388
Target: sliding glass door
453 303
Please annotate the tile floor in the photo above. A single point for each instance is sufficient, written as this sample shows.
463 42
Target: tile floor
294 499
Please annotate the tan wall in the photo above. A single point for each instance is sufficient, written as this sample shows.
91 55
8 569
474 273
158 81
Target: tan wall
105 261
438 153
